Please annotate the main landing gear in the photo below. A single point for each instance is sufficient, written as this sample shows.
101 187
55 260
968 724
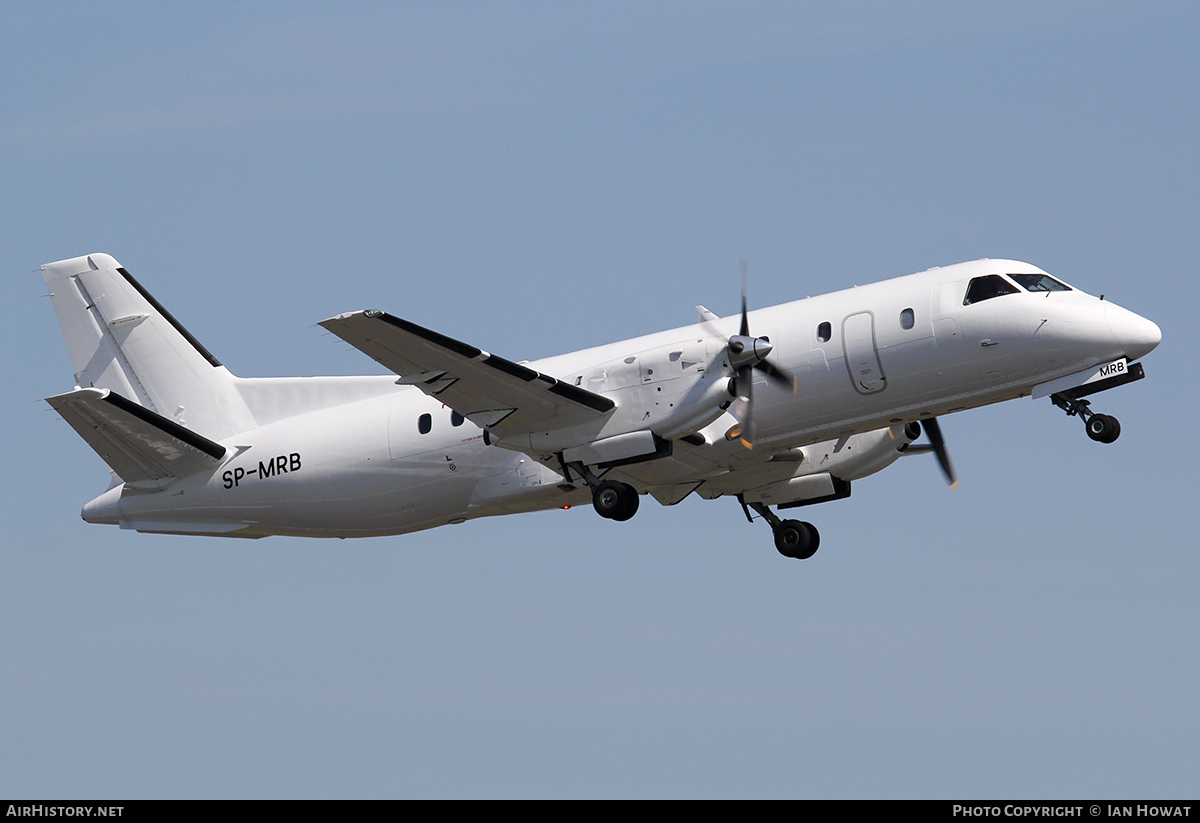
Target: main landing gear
1103 428
616 501
796 539
793 538
611 500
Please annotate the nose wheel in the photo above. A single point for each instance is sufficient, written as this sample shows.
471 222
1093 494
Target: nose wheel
1103 428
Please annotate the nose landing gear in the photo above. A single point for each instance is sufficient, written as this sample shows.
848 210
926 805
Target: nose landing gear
1103 428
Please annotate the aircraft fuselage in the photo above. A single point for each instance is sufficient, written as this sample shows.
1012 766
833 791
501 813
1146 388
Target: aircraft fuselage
864 359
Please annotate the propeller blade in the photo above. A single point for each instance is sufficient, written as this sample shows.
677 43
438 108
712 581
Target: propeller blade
746 354
780 376
938 444
744 405
745 332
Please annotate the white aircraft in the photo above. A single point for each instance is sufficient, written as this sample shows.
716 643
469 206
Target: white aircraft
783 406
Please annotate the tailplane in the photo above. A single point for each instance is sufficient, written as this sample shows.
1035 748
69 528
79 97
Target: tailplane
144 449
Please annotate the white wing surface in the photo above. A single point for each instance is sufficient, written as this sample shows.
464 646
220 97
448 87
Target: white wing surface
499 395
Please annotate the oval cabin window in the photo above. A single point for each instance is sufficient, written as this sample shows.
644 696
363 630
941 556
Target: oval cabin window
907 319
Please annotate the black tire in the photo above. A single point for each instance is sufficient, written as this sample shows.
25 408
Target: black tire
814 542
631 505
1103 428
793 539
615 501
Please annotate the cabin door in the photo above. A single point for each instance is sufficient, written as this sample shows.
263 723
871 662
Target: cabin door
862 356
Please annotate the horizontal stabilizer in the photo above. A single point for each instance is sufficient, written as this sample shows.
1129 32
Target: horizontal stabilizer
504 397
140 445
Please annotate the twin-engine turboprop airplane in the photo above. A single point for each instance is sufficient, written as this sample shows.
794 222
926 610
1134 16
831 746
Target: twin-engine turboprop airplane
783 406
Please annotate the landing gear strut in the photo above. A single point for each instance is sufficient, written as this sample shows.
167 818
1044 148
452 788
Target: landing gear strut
793 538
1103 428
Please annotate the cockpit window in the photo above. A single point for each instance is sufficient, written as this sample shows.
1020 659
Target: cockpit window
985 288
1039 282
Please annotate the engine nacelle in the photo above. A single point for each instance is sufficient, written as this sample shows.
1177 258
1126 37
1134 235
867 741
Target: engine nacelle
704 402
865 454
671 391
821 471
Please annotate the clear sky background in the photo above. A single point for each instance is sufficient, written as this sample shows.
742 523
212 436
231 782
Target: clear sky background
539 177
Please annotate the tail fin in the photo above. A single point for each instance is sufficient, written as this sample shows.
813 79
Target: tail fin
120 338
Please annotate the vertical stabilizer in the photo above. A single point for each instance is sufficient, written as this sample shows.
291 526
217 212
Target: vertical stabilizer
120 338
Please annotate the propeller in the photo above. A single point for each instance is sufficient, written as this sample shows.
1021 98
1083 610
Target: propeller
747 353
937 445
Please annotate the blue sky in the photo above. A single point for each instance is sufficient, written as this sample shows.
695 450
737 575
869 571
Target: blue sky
540 177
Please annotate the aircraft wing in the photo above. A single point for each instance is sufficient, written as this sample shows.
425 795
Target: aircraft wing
493 393
140 445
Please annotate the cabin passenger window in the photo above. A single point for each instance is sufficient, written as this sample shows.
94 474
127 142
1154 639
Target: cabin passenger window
424 423
907 319
824 332
456 419
985 288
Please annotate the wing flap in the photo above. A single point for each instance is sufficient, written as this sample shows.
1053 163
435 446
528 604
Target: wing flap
504 397
140 445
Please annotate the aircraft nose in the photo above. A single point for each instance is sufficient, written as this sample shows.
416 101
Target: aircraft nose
1138 335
